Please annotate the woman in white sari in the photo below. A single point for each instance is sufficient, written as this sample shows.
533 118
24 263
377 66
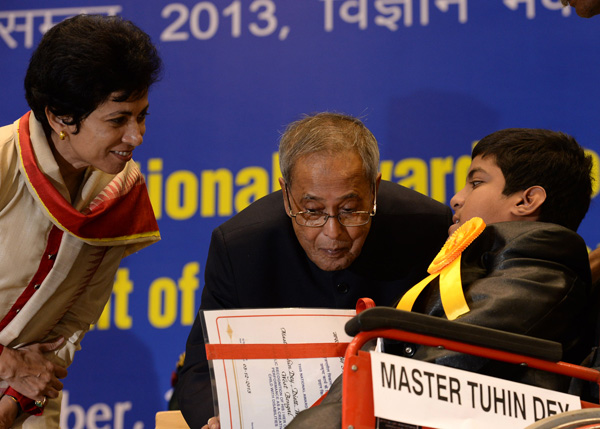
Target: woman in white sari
72 203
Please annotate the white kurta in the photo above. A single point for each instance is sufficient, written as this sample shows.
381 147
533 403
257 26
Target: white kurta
52 282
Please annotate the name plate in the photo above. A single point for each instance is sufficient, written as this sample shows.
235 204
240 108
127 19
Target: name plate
420 393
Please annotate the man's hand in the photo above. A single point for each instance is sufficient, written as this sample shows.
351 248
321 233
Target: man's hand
28 372
8 412
213 423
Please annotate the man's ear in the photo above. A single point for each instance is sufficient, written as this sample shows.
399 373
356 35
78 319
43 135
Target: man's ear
288 209
529 202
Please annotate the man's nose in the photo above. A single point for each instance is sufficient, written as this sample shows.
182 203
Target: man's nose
333 228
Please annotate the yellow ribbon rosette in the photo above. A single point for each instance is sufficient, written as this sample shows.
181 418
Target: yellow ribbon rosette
447 265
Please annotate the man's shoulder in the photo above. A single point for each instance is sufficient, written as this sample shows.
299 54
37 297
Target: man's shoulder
267 211
393 198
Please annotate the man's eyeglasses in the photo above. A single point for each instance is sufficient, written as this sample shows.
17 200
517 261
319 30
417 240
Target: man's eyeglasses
316 219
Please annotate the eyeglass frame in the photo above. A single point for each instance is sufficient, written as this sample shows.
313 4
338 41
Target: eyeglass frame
327 215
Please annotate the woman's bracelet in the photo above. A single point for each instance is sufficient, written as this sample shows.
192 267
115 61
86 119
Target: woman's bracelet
16 402
13 398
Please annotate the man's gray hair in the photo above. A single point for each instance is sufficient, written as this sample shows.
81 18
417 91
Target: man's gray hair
332 133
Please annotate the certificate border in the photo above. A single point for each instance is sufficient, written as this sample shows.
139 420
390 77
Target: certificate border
220 335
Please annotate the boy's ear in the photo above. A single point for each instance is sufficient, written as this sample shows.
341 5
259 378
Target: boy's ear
529 202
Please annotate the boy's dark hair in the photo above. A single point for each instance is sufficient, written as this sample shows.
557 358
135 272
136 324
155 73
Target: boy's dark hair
82 60
552 160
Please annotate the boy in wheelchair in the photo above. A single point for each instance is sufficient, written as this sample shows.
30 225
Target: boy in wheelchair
526 270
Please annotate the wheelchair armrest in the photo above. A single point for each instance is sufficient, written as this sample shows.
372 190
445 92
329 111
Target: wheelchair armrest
391 318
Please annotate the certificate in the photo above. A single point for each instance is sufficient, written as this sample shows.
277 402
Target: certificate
270 364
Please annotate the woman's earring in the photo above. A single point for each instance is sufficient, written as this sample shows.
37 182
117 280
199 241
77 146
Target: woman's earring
62 135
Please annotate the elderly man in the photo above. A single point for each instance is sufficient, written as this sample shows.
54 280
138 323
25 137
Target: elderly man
334 234
584 8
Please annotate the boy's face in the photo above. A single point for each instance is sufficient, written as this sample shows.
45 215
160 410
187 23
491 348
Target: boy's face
482 195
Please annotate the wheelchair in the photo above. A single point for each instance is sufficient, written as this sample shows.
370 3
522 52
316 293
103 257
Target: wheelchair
389 323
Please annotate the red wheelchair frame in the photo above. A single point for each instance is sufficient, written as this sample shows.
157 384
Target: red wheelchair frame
389 323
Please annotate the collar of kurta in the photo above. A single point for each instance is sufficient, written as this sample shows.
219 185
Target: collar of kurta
120 214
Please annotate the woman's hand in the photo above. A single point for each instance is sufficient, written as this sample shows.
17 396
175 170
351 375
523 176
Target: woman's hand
28 372
213 423
8 412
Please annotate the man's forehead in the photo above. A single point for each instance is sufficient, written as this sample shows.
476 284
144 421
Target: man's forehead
309 196
334 164
311 185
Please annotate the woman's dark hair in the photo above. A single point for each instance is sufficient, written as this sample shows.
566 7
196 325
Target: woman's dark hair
552 160
81 61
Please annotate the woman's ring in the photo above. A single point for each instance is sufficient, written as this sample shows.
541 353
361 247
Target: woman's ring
42 403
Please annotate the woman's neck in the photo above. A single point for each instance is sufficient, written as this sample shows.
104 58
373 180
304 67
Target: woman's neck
72 176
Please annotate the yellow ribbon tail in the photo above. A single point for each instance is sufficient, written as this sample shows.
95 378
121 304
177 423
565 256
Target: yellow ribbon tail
451 291
408 299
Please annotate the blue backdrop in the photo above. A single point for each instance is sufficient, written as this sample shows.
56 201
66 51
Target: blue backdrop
429 77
